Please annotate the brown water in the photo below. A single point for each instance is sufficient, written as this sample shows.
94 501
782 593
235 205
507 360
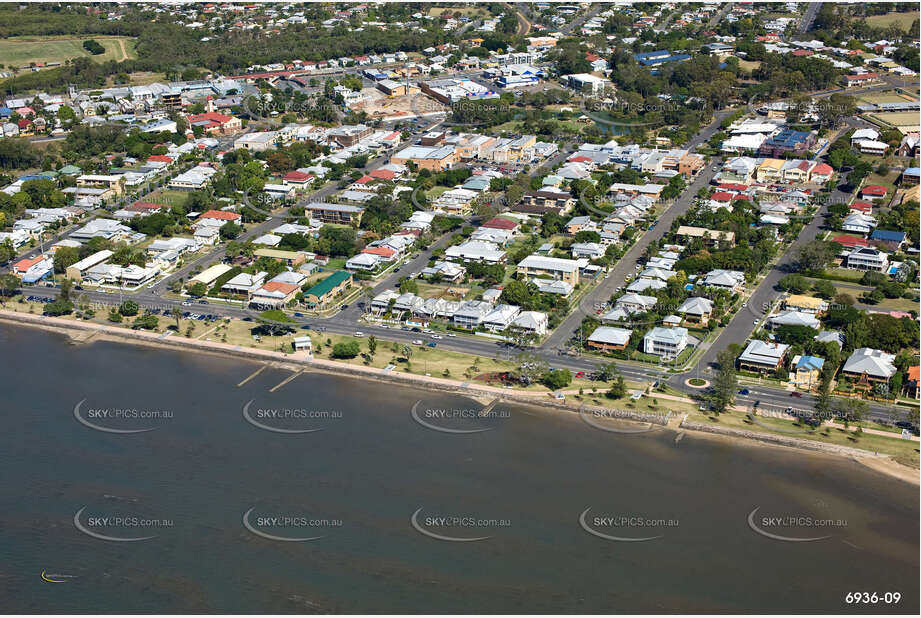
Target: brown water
525 482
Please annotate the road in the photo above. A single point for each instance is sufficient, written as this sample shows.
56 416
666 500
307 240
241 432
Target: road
808 17
626 265
567 29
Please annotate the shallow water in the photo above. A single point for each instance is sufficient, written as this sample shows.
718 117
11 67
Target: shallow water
523 482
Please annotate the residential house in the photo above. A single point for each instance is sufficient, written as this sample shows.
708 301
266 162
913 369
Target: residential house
762 356
696 310
553 268
666 343
806 371
609 338
868 366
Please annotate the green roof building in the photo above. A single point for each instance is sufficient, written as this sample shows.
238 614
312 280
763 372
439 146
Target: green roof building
324 291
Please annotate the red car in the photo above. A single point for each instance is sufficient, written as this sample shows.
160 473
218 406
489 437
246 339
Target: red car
580 374
796 394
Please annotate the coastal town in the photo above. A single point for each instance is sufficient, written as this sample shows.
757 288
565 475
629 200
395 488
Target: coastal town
705 211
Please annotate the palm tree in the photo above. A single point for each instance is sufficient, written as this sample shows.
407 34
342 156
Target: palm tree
176 313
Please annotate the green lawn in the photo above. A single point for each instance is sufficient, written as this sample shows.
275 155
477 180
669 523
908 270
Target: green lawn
903 451
20 51
902 20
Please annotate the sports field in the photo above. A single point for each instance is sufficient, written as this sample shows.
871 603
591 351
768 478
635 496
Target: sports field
884 97
897 119
902 20
21 51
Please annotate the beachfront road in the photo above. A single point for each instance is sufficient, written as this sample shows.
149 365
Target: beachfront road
478 346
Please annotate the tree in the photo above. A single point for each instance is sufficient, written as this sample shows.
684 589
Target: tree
176 313
530 366
230 230
8 286
128 308
198 289
815 255
824 289
557 379
148 321
346 350
372 345
409 285
851 410
59 307
607 371
618 389
725 383
793 283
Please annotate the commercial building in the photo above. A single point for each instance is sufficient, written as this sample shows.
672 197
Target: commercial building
78 269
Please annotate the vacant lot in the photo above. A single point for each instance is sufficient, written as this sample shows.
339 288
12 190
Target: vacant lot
902 20
20 51
468 11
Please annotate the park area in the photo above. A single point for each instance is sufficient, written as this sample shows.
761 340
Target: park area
19 52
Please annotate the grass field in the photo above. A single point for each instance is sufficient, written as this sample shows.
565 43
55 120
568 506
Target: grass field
20 51
903 451
884 97
897 119
467 11
902 20
750 65
168 196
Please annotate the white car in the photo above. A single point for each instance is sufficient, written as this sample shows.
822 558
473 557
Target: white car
451 335
755 323
358 333
437 337
417 342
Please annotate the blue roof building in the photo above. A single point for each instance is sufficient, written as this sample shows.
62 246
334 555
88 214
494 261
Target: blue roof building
788 140
809 363
888 236
659 57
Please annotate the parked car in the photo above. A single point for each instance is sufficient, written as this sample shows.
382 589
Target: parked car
743 391
417 342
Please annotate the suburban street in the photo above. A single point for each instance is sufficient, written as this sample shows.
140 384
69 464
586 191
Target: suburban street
347 321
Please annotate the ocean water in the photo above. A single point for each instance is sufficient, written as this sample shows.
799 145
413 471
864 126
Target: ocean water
383 490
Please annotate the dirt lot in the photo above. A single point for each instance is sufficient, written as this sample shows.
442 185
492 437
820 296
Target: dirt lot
377 104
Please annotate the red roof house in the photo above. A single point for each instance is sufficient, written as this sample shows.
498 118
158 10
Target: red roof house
223 215
382 174
850 241
873 191
501 224
23 265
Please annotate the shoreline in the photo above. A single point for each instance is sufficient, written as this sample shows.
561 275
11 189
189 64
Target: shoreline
86 332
